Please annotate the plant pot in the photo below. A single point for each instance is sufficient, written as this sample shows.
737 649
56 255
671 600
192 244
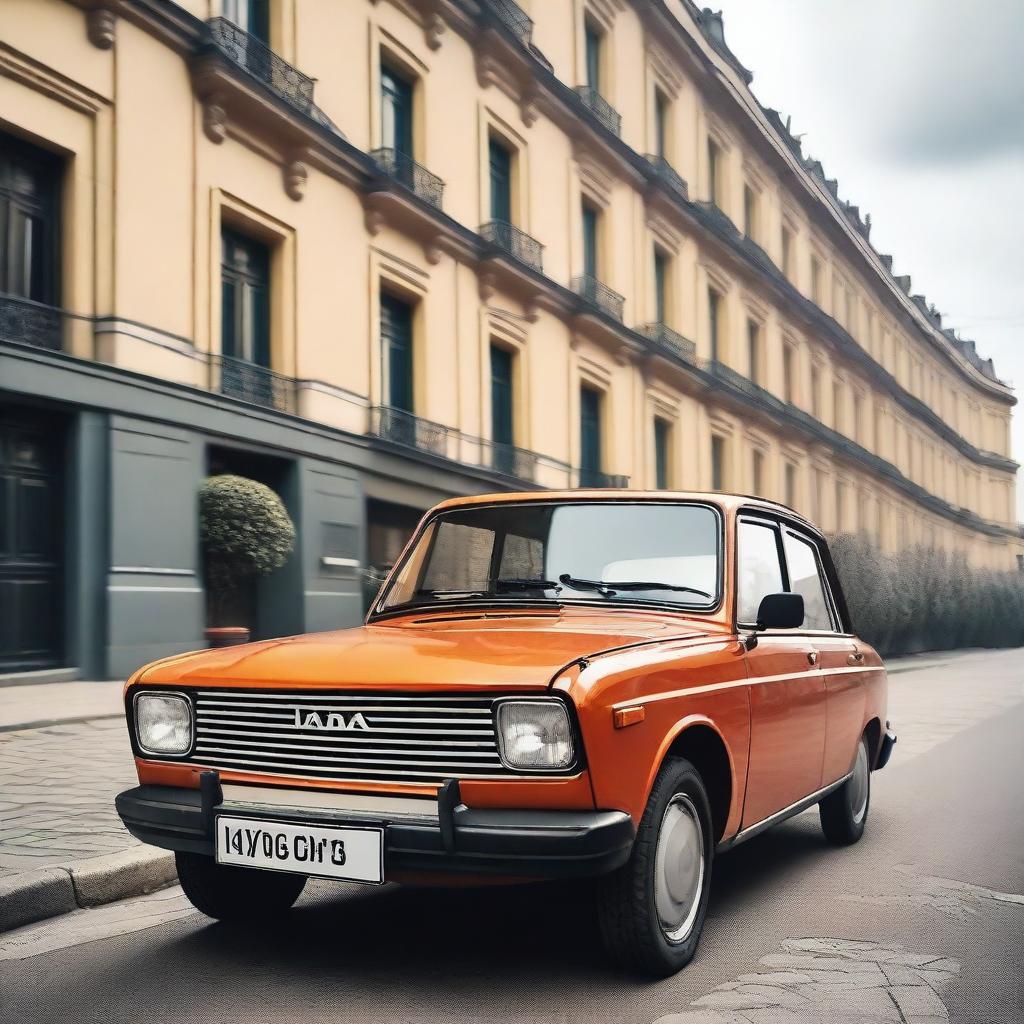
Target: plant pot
226 636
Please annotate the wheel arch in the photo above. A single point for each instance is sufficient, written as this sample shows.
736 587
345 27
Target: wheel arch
873 732
697 739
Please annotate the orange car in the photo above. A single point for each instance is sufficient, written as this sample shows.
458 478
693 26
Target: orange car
590 683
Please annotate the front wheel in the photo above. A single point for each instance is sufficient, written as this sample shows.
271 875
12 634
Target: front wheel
844 812
234 894
651 910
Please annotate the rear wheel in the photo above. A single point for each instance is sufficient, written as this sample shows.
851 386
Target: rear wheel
236 894
844 812
651 911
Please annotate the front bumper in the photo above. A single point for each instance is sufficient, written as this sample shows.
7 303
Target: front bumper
519 843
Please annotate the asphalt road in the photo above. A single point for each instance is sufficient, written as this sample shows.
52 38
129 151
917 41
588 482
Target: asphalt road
922 921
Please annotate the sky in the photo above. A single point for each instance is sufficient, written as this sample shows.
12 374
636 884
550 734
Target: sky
917 107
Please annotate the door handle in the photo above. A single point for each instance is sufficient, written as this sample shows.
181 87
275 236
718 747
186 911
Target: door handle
812 657
856 658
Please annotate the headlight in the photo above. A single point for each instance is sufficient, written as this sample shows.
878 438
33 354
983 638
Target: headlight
535 734
163 723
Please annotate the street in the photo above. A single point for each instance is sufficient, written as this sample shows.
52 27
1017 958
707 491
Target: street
923 920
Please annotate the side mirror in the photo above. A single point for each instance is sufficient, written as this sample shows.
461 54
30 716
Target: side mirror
781 611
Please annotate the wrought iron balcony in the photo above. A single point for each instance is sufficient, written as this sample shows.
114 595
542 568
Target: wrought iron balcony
663 337
518 244
600 108
509 460
598 478
401 167
598 294
512 16
30 323
739 382
255 57
665 173
253 383
406 428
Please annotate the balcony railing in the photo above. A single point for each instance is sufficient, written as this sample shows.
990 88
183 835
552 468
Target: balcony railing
509 460
668 175
600 108
250 382
518 244
413 431
252 54
598 478
663 337
30 323
512 16
401 167
598 294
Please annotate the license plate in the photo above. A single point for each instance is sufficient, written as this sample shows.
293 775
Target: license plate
326 851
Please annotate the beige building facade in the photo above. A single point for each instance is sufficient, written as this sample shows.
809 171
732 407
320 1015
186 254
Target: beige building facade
376 252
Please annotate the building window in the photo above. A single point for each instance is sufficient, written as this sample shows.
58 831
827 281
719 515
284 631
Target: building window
396 342
749 212
816 295
840 498
591 459
594 43
29 221
714 171
502 425
396 105
816 391
788 375
757 472
837 405
590 240
714 325
717 462
245 299
858 412
662 438
754 351
661 265
661 108
790 484
787 251
251 15
500 161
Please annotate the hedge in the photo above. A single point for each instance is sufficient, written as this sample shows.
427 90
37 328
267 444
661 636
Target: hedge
926 599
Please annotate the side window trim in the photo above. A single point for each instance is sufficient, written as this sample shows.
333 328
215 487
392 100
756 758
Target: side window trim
833 611
776 527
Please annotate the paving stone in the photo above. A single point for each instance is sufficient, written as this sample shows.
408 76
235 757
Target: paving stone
917 999
897 974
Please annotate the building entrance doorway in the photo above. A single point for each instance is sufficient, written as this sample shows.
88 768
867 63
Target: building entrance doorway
31 540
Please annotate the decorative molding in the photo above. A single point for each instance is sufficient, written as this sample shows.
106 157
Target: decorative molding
41 79
215 119
374 219
434 28
487 286
594 179
100 24
664 232
663 67
529 110
433 250
296 176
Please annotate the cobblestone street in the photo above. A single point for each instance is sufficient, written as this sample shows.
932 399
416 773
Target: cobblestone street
57 793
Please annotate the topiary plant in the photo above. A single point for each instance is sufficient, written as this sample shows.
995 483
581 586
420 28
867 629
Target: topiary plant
245 531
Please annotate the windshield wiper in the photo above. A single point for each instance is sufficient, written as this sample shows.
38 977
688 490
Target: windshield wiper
609 589
522 584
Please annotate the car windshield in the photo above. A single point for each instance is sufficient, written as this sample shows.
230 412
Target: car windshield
614 552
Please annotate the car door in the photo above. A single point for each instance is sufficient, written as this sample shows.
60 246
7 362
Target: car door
840 660
787 691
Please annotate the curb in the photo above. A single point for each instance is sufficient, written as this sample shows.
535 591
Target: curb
58 889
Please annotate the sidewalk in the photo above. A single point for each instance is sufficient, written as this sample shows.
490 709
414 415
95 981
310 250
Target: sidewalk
62 845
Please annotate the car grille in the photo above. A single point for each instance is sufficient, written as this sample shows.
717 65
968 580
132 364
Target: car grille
406 739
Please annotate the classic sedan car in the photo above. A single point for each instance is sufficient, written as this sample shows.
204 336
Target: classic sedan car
609 684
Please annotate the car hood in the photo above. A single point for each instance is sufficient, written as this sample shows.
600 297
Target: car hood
485 650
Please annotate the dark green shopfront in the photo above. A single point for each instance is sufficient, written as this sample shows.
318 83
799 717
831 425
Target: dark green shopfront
100 561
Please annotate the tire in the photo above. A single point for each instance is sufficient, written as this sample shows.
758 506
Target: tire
645 928
844 812
236 894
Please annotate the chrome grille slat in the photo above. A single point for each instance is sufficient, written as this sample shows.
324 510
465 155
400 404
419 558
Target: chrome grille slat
330 737
412 739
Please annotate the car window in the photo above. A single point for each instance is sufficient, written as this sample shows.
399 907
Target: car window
759 571
805 579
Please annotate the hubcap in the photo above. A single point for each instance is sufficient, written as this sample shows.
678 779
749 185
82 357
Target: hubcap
679 868
859 785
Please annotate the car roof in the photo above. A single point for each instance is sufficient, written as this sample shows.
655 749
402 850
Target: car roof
728 502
